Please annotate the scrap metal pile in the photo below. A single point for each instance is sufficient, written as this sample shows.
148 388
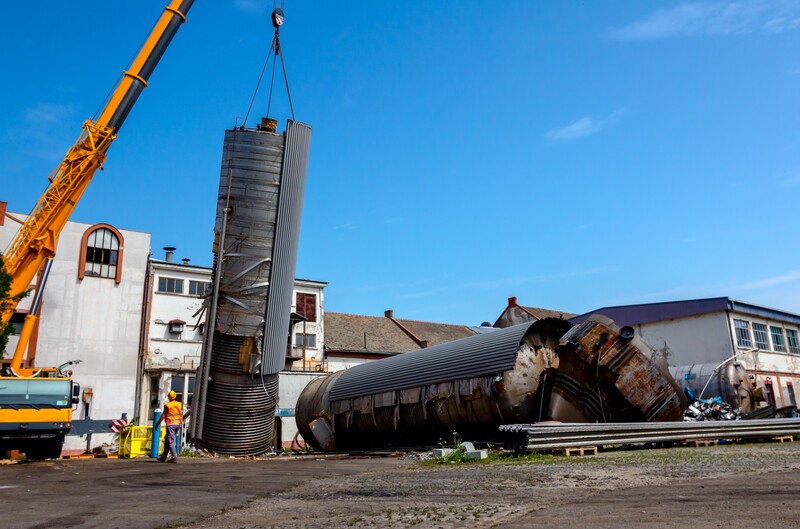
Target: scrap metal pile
540 371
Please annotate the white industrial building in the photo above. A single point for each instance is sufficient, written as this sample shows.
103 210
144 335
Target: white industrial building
91 311
765 341
174 321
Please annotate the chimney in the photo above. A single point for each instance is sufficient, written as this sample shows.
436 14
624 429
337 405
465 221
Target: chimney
423 344
512 301
389 313
3 206
185 260
170 252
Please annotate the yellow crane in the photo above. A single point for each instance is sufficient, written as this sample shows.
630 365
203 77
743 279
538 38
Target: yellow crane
36 403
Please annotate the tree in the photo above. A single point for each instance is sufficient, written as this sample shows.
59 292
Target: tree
7 302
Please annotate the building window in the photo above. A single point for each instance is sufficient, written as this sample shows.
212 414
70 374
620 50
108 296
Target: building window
789 394
777 339
794 345
760 334
170 285
176 326
101 253
17 320
307 306
305 340
198 288
743 333
183 385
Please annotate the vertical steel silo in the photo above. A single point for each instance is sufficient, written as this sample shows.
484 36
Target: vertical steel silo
256 237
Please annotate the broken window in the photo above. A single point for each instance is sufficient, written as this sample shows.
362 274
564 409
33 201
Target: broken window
307 306
743 333
760 334
777 339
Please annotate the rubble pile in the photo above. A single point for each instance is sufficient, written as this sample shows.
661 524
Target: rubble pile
714 409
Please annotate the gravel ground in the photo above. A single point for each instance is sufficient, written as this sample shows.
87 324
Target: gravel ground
722 486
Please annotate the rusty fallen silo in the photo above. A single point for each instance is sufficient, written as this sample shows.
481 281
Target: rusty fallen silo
607 374
470 386
256 236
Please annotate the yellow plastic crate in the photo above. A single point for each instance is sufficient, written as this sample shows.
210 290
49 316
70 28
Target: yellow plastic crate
137 441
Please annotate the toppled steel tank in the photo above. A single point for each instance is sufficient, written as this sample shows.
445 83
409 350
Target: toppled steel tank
608 374
256 237
728 381
418 398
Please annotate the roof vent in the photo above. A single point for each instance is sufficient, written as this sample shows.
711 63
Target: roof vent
170 252
185 260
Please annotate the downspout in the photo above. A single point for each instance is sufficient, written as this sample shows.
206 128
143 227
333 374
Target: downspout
144 329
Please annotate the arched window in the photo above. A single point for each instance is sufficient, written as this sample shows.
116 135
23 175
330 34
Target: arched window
101 253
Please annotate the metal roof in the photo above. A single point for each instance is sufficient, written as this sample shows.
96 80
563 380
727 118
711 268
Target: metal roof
482 354
672 310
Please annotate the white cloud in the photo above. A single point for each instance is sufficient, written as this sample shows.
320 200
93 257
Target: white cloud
789 179
46 113
714 19
782 279
585 126
44 131
577 129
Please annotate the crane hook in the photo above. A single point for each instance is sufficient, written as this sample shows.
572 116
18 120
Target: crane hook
277 18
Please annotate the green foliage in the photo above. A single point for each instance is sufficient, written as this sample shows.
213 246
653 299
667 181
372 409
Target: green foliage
7 302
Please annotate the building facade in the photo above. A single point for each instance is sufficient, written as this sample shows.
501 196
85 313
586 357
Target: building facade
91 312
765 341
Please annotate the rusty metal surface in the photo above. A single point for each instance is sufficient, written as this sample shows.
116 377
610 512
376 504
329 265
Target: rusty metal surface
427 412
606 377
590 373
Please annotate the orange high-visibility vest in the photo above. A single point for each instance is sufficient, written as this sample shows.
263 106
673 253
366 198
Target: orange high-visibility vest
174 413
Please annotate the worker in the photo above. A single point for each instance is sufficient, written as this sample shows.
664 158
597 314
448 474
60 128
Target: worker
173 417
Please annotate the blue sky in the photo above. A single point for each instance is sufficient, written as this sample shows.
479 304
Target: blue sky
572 154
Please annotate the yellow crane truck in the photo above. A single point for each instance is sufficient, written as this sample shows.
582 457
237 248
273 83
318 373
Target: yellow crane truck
36 402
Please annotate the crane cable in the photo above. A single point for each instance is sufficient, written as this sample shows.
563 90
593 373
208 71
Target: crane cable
275 46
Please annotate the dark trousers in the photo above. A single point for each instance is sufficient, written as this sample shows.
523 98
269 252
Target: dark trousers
170 441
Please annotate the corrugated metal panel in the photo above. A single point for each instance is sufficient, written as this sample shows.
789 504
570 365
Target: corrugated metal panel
250 174
482 354
287 237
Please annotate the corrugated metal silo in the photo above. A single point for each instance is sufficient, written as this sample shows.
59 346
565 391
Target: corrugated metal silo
259 208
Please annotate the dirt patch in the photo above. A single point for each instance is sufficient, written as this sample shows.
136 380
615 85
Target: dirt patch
614 489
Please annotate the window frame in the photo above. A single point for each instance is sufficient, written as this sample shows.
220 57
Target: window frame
305 304
195 283
756 332
301 340
168 278
778 345
792 342
739 331
84 245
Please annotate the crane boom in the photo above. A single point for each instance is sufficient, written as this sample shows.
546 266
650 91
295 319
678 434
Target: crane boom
38 236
